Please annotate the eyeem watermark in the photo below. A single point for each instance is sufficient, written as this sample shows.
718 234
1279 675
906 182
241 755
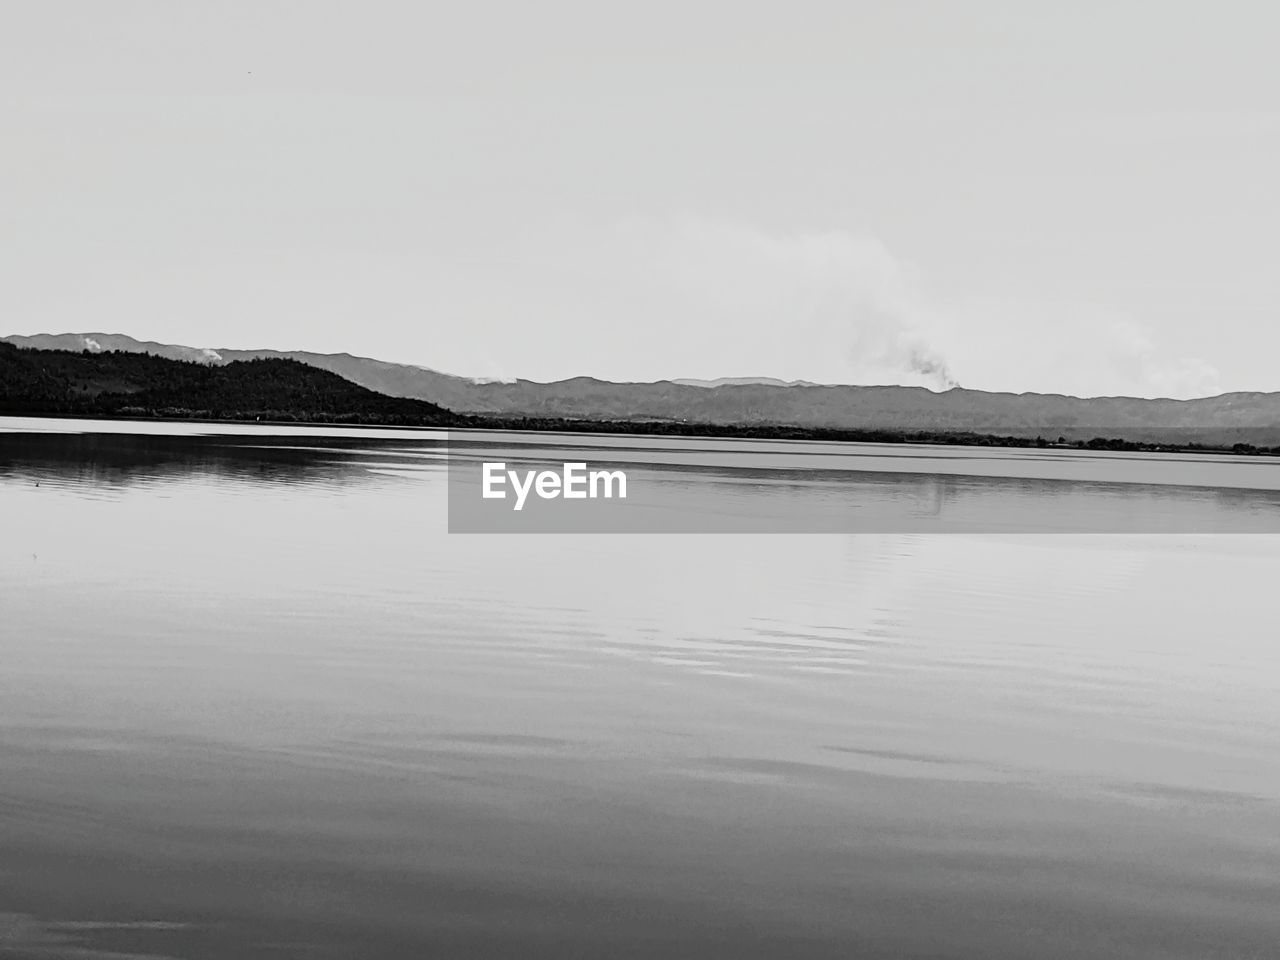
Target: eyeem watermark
573 482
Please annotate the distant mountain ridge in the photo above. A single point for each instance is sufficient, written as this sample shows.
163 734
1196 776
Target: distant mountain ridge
1252 417
745 381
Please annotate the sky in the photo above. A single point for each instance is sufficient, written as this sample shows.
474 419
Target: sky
1024 196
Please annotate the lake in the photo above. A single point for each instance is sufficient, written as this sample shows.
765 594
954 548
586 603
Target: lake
257 701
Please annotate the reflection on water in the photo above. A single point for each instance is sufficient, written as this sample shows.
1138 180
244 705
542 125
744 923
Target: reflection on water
87 459
256 702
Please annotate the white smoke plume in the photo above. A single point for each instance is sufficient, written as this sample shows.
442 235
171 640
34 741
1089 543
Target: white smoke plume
1133 355
728 300
1081 349
927 363
703 299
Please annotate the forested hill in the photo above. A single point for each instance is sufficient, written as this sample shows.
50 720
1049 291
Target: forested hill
66 383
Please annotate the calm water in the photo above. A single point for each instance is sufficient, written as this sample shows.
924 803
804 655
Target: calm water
255 701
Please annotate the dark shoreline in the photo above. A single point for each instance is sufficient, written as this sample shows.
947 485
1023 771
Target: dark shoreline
782 432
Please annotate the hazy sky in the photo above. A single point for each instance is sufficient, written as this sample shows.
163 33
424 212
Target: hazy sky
1074 197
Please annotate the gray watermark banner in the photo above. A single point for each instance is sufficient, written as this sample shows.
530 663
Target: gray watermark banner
508 483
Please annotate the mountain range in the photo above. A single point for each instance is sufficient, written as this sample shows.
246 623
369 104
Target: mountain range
1252 417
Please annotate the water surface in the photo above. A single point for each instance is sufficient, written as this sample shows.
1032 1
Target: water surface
257 702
